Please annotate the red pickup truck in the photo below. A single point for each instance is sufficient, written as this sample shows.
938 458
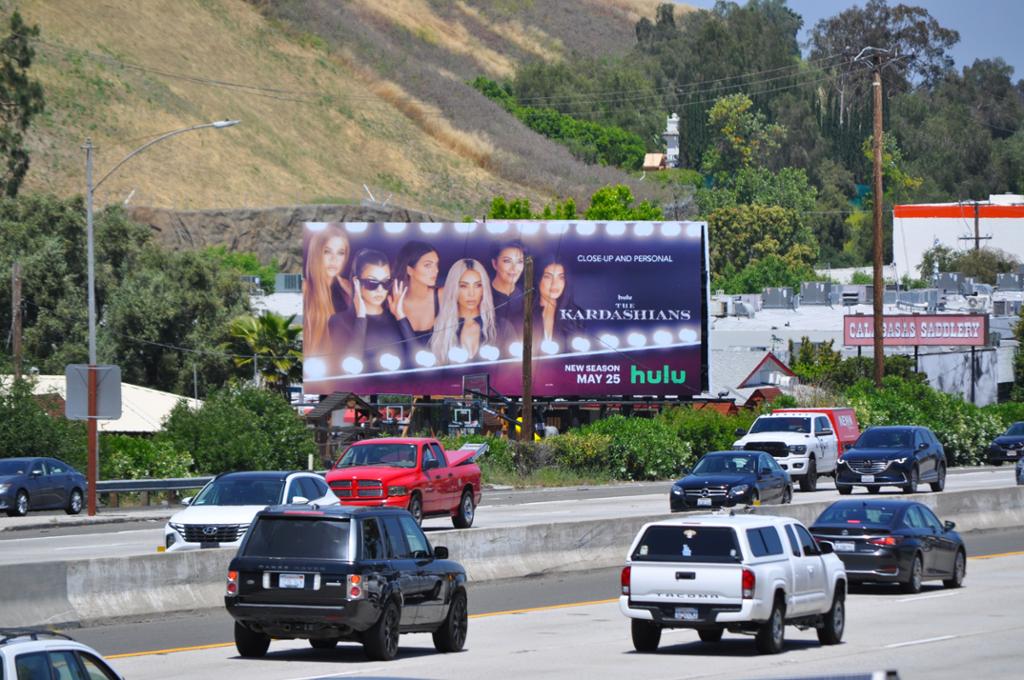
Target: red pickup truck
410 472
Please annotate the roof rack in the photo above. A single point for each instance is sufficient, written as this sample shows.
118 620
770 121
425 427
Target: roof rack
8 634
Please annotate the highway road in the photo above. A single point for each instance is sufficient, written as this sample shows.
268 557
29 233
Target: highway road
568 625
499 509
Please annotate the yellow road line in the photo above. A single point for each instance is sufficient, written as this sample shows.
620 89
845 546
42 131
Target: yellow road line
989 557
154 652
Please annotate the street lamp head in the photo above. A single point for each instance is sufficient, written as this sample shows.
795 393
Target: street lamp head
225 123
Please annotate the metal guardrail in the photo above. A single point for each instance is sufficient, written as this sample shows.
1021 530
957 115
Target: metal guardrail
135 485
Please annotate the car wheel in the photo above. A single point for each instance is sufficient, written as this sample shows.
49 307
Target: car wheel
20 507
915 577
74 502
416 508
380 642
809 482
912 481
323 643
646 635
771 636
463 518
787 496
834 622
710 634
249 643
451 636
940 483
959 571
844 489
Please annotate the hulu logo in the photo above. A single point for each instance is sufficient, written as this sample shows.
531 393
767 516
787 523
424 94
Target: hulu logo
664 376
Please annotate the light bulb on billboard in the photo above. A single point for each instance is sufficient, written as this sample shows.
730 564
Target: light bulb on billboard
636 339
458 355
662 337
394 227
389 362
609 340
425 358
644 229
581 344
549 347
671 229
688 335
586 228
314 368
516 350
352 365
615 228
489 352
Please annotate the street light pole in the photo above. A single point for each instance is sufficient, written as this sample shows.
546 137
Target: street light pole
92 425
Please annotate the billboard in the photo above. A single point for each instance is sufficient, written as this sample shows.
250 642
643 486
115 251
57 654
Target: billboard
909 330
620 308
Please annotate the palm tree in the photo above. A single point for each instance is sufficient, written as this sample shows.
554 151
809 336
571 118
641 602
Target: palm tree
269 346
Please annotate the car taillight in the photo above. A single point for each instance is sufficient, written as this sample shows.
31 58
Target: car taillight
355 587
748 581
886 540
624 580
232 588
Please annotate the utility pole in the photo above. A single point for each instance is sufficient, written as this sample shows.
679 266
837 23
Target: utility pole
16 317
526 433
879 284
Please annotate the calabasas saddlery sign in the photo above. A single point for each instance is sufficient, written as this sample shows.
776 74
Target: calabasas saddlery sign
909 330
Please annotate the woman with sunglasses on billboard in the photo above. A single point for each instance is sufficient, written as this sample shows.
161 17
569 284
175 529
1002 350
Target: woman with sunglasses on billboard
325 289
467 327
508 259
369 331
552 334
417 269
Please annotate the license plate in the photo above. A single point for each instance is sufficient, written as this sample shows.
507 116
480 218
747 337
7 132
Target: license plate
686 614
209 544
703 501
291 581
845 546
867 478
1011 454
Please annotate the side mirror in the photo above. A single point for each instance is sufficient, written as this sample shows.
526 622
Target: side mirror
923 445
740 432
949 526
187 500
299 500
825 548
440 552
37 473
685 470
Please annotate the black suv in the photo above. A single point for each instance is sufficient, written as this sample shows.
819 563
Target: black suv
900 455
343 573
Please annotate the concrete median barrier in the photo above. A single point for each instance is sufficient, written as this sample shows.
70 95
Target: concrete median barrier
108 589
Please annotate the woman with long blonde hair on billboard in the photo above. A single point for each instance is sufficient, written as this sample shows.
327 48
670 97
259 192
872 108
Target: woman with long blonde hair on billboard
325 290
466 325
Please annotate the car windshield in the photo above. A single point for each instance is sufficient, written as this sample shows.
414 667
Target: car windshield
859 513
796 425
716 465
13 467
388 455
1017 430
241 491
688 544
299 537
885 439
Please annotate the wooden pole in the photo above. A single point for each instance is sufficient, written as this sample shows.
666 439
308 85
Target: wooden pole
16 318
879 285
526 432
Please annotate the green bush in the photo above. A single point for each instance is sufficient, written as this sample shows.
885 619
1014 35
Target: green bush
705 429
964 429
1008 413
582 451
241 428
641 448
26 429
127 457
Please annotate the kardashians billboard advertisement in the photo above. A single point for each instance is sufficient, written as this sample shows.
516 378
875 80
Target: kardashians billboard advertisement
619 308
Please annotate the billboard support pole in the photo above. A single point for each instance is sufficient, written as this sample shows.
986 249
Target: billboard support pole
879 284
526 432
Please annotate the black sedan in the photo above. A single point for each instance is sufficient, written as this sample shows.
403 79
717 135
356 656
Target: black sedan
39 484
731 477
1007 447
893 541
897 455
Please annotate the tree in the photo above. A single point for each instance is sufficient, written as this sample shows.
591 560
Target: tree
741 137
743 233
244 264
240 428
272 341
1018 359
21 98
27 429
616 203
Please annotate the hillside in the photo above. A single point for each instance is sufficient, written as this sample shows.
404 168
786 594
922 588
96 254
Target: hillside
331 95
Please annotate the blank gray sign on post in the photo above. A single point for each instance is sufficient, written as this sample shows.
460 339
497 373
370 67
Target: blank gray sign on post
108 392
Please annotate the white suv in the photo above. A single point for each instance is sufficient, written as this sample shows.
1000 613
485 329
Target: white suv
28 654
221 513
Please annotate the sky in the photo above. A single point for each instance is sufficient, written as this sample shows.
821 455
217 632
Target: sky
988 28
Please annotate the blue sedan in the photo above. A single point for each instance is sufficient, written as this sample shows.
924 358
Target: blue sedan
40 484
731 477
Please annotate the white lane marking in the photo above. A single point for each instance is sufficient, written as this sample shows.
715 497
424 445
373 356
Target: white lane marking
918 598
920 642
91 547
602 499
71 536
338 675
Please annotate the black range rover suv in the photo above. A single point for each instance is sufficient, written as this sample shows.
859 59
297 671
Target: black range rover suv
343 573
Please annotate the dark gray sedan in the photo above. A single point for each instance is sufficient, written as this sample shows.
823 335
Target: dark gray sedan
40 484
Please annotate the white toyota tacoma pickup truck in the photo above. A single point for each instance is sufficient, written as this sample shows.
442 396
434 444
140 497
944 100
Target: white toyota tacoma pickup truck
741 573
